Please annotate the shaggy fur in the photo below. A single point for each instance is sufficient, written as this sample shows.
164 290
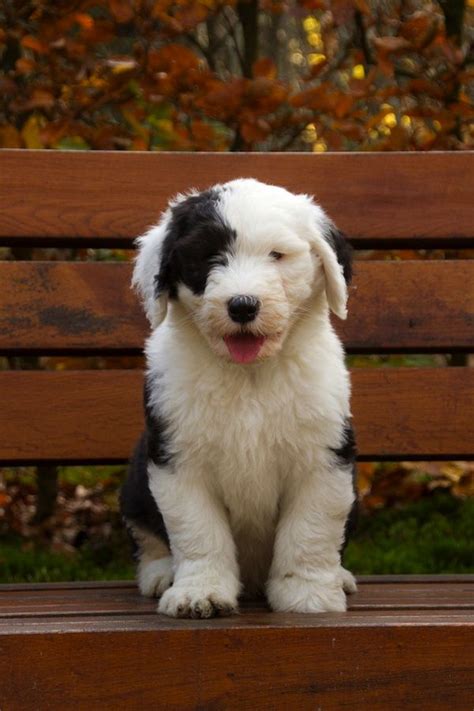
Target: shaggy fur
243 480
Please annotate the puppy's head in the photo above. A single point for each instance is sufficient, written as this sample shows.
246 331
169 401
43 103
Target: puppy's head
245 261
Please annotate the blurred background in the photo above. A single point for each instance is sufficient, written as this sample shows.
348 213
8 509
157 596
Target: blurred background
210 75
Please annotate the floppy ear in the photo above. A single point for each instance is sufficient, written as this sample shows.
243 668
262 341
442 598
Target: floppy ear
335 253
149 274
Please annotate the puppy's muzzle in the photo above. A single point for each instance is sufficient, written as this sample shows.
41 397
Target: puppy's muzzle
243 308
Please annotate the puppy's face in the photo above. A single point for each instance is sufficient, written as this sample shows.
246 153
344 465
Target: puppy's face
244 260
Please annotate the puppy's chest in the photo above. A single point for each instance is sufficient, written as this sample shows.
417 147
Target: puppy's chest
244 446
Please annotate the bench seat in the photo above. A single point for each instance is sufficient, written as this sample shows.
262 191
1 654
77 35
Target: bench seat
406 642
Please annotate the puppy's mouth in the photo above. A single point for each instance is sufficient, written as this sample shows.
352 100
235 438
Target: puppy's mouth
244 347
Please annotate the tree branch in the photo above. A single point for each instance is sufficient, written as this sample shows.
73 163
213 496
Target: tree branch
453 11
247 11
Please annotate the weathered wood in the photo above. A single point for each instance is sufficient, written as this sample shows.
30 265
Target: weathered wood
96 415
90 197
78 307
69 306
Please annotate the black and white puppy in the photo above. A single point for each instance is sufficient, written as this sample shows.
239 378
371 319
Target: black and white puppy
243 480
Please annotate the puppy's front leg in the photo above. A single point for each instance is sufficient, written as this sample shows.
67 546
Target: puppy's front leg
206 581
306 573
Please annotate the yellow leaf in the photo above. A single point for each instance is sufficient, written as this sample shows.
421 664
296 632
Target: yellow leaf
358 71
31 132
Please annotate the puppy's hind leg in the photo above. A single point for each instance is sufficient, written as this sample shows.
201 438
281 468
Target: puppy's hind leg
154 562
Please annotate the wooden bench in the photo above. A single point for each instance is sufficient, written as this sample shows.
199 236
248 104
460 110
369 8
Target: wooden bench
405 642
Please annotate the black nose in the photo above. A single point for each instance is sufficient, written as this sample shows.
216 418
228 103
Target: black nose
243 309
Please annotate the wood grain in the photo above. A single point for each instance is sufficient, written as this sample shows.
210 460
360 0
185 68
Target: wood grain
91 197
51 307
425 663
112 599
96 415
442 579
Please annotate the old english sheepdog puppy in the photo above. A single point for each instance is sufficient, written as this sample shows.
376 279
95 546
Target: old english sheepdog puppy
243 481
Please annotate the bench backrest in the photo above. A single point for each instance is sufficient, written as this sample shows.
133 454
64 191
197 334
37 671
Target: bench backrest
383 201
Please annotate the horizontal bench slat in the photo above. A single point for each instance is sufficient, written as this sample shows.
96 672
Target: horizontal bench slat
421 659
17 602
460 579
79 307
96 415
65 196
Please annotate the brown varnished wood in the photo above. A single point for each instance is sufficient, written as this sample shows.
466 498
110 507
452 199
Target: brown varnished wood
71 196
255 616
73 306
77 306
78 585
97 415
389 664
51 601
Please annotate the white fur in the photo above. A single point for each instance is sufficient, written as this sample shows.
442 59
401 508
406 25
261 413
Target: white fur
255 496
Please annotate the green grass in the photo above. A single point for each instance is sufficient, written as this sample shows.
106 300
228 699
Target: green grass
38 564
434 535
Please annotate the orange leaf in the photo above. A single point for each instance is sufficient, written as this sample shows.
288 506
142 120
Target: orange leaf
385 47
362 6
419 29
24 65
265 68
253 132
41 98
10 137
343 105
122 10
84 20
35 44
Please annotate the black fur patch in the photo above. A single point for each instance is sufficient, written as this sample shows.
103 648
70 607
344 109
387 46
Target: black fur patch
346 455
157 442
136 501
196 240
343 249
347 452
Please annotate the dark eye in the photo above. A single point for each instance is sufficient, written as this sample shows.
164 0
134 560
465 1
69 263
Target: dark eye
276 255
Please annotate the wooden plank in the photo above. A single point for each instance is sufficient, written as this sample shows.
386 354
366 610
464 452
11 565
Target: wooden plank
79 306
78 585
255 617
110 600
69 306
94 196
92 416
256 664
410 305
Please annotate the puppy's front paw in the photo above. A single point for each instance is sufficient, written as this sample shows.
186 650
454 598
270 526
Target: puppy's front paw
295 594
195 600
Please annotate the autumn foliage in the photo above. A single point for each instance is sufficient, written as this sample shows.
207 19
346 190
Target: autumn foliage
237 75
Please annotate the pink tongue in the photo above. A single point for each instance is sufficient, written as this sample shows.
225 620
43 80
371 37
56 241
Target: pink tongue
244 347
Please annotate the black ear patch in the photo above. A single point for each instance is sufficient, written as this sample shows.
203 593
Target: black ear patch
344 251
197 239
